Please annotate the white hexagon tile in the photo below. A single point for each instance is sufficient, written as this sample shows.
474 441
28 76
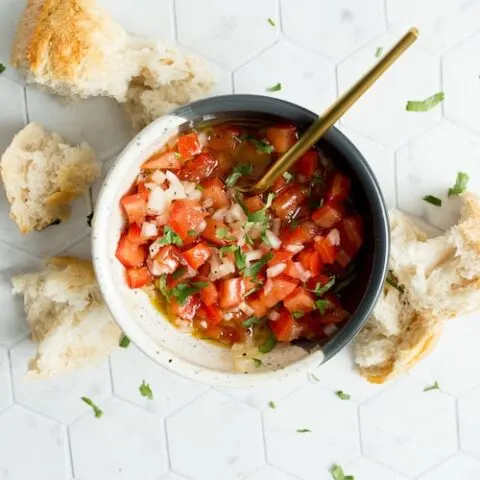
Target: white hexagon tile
296 429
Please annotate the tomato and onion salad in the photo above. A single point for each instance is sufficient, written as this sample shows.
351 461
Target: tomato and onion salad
241 268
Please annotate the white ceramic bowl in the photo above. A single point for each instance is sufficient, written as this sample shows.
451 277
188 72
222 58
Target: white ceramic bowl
132 309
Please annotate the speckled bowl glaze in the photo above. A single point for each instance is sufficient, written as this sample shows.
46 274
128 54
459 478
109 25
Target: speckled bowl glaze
201 360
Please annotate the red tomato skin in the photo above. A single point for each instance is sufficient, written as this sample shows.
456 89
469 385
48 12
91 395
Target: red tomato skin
197 255
188 310
225 138
289 200
141 188
253 204
351 234
282 287
303 233
134 234
327 251
199 168
214 188
311 261
318 280
210 232
129 254
336 315
231 292
343 258
185 215
300 300
285 328
256 301
169 257
135 207
291 270
307 163
167 160
214 315
280 256
328 215
139 277
279 184
209 294
282 137
189 145
338 189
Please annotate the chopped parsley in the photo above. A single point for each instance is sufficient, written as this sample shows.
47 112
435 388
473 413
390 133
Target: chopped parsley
393 282
2 67
240 259
378 52
460 184
269 344
124 342
178 273
303 430
288 176
433 200
321 290
275 88
435 386
145 390
271 22
254 269
192 233
199 187
257 362
262 146
89 219
170 238
298 314
425 105
97 411
272 405
250 322
161 285
337 473
184 290
239 170
313 377
260 216
223 233
321 305
342 395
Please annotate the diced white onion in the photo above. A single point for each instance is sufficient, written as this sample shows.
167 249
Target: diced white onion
253 255
158 177
304 274
203 324
154 267
334 237
330 329
246 308
191 272
154 248
294 248
275 242
228 315
194 195
235 214
151 186
276 224
268 287
219 215
276 270
149 229
189 187
201 226
220 268
176 189
202 138
207 203
158 201
274 316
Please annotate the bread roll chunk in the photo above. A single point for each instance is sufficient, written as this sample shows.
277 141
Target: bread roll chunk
42 174
67 317
437 278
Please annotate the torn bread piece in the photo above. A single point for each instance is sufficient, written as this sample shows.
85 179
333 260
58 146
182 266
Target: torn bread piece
434 279
75 49
67 317
42 174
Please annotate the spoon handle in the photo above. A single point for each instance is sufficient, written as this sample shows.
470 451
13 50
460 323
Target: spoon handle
334 112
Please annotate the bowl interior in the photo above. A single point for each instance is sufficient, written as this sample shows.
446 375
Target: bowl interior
145 325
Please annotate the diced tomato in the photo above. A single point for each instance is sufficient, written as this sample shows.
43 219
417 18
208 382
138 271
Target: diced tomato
139 277
351 234
307 163
328 215
168 160
280 182
197 255
253 204
229 335
135 207
333 300
338 189
301 234
282 137
214 314
336 315
311 326
186 215
281 287
188 310
188 145
320 280
141 188
327 251
289 200
253 283
311 261
300 300
199 168
169 258
343 258
291 270
134 234
231 292
256 301
215 189
209 294
285 328
280 256
210 232
130 254
225 138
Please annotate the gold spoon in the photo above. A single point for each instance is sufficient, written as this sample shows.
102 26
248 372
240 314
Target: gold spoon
333 113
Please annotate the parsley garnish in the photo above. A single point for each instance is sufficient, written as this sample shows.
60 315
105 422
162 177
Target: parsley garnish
342 395
272 405
321 290
2 67
433 200
261 216
435 386
253 290
271 22
240 259
192 233
275 88
124 342
425 105
228 248
460 184
378 52
288 176
393 282
170 237
97 411
303 430
321 305
223 233
250 322
297 314
337 473
269 344
254 269
184 290
262 146
199 187
161 285
257 361
313 377
239 170
178 273
89 219
145 390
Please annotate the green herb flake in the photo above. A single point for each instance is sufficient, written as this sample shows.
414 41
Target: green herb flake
303 430
271 22
269 344
342 395
124 342
161 285
240 259
378 52
2 67
170 238
393 282
228 248
145 390
433 200
435 386
97 411
250 322
272 405
254 269
192 233
262 146
321 290
288 176
321 305
199 187
257 362
261 216
337 473
223 233
184 290
460 184
275 88
89 219
425 105
178 273
240 170
313 377
298 314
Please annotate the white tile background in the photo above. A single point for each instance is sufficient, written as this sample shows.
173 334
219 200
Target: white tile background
193 432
